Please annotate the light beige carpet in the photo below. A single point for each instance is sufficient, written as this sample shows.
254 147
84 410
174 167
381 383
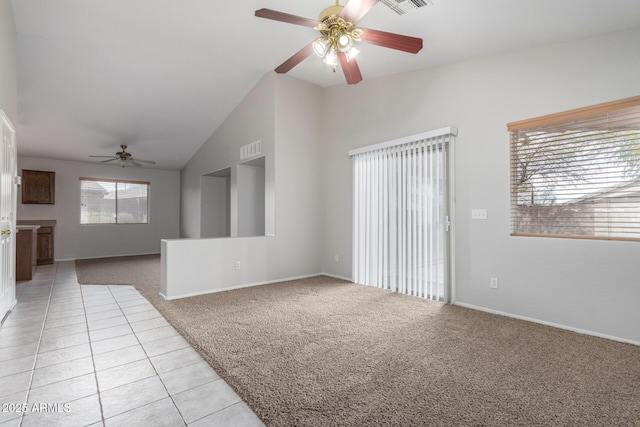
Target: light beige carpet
323 352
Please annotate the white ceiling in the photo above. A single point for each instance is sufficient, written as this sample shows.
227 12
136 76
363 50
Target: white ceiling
162 75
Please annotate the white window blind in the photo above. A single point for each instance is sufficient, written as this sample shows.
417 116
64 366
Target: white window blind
113 202
577 174
400 214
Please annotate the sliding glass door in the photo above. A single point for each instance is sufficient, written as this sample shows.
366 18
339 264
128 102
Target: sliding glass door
401 218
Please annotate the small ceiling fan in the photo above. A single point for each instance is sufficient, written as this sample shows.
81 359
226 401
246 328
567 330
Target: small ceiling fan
125 158
338 33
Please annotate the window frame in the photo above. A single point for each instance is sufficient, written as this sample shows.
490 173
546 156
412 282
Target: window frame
116 182
583 120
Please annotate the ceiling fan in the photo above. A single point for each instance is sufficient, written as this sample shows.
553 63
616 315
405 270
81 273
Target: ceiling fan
125 158
338 32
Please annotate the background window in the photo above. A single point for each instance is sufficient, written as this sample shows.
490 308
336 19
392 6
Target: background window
577 173
113 202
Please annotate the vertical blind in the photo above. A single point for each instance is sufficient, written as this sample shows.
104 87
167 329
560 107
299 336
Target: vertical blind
577 174
400 215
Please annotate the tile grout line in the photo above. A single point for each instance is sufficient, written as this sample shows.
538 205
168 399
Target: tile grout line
147 354
51 282
156 371
221 409
62 284
44 321
93 361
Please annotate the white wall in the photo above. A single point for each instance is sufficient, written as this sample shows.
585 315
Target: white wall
75 241
8 63
296 251
586 285
199 266
282 113
251 201
214 210
252 120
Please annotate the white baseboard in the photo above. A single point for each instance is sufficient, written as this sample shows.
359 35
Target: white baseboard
335 276
544 322
105 256
246 285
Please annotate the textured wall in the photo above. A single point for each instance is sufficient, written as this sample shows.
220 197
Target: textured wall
282 113
588 285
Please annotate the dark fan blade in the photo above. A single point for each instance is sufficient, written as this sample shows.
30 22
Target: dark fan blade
354 10
151 162
350 69
297 58
392 41
110 160
285 17
104 157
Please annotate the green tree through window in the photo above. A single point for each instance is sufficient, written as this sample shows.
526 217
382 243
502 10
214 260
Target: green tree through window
577 174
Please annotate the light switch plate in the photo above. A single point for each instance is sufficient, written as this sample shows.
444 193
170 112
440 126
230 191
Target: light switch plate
478 214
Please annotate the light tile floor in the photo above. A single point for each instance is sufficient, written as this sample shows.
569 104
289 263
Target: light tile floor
94 355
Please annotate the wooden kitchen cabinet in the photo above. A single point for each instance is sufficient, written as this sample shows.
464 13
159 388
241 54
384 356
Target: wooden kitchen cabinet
38 187
26 252
45 245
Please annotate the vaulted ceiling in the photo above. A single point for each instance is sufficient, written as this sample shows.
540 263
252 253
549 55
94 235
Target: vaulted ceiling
162 75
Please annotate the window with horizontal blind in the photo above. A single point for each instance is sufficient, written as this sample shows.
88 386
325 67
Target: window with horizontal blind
104 201
577 173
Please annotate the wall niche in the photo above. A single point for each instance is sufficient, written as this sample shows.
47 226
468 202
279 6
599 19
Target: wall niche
215 207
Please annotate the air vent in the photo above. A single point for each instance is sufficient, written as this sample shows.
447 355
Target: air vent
250 150
403 6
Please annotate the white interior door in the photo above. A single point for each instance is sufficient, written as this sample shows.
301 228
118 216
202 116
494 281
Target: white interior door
8 198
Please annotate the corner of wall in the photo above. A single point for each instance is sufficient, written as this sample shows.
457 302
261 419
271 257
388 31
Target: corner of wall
8 62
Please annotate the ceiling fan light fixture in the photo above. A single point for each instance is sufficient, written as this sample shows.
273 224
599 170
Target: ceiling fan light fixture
122 158
330 11
321 46
331 57
352 53
344 42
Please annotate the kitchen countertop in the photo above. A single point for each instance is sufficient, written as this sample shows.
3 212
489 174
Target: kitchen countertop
27 227
40 222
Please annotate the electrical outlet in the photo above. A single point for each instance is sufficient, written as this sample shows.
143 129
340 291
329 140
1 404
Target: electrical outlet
237 265
494 283
336 258
478 214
